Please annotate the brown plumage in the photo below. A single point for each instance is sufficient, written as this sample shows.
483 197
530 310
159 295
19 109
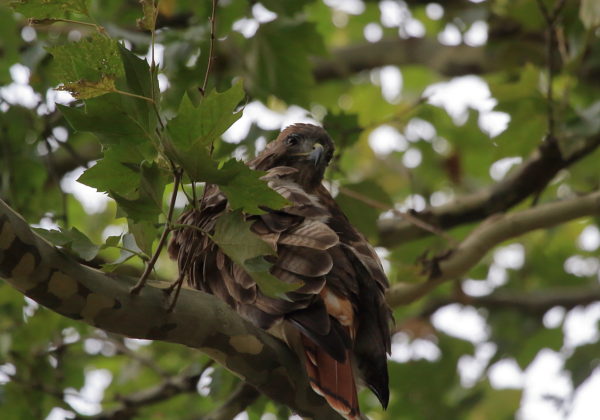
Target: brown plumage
339 312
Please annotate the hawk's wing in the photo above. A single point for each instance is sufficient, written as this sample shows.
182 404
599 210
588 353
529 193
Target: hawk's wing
339 309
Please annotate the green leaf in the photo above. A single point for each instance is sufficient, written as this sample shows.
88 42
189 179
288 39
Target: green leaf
543 338
148 205
44 9
153 182
234 237
279 60
111 118
194 129
137 74
285 7
524 102
245 190
140 209
112 241
129 250
583 362
200 126
9 43
71 239
92 59
343 129
109 175
499 404
144 233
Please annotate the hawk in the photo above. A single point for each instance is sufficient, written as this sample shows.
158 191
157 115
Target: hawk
339 315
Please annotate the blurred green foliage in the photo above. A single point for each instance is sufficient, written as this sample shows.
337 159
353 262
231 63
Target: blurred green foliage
143 115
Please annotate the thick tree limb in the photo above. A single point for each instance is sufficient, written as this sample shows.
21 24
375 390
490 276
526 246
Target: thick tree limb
529 178
490 233
443 59
54 280
51 278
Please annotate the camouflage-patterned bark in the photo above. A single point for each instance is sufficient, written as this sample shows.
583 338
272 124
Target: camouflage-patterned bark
60 283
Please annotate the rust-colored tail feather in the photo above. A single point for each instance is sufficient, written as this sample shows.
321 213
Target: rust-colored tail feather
332 379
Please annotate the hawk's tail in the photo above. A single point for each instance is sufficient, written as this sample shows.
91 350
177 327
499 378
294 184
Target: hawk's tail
332 379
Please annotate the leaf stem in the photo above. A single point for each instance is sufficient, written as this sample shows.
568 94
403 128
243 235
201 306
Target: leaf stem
133 95
211 47
153 67
97 27
163 238
141 255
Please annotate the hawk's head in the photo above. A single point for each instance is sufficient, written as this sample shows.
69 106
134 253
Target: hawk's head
305 147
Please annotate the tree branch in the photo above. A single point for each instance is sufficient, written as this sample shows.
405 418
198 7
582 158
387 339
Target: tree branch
530 177
53 279
130 404
497 229
445 60
535 303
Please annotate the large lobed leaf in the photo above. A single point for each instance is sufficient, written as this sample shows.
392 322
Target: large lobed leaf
54 9
191 136
279 60
238 242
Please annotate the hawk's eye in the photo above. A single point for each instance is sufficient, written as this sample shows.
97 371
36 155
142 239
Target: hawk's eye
292 139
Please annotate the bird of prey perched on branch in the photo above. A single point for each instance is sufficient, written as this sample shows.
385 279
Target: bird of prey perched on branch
338 315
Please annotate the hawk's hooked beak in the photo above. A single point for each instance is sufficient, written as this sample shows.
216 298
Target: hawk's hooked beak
316 154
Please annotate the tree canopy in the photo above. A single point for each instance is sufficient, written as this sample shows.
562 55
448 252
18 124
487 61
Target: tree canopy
466 143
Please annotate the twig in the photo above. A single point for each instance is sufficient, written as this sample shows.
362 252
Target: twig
163 238
153 67
551 19
211 47
405 215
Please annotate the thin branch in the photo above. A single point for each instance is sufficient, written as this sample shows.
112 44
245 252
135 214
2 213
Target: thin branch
405 215
130 405
163 238
534 303
528 178
458 261
153 66
550 50
211 47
